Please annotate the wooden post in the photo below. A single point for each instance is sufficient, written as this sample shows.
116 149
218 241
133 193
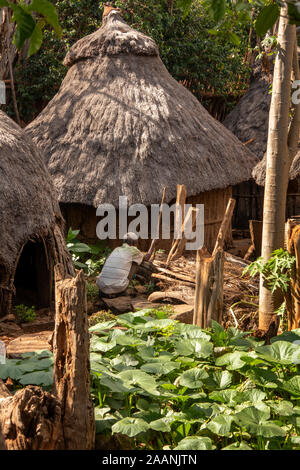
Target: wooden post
179 244
29 420
71 362
152 249
255 227
209 289
224 226
292 299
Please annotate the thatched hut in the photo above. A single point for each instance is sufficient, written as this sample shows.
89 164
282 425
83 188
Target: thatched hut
249 121
31 239
121 125
293 195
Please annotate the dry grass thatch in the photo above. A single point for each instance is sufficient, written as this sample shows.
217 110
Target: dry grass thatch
249 119
121 125
259 171
28 204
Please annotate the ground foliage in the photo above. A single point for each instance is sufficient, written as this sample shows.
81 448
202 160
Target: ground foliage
208 59
169 385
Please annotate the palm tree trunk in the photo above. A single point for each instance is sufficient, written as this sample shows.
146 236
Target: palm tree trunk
278 160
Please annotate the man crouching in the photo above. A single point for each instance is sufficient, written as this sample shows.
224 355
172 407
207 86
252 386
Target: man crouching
120 267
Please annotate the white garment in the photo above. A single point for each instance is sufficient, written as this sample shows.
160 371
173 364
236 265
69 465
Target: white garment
113 278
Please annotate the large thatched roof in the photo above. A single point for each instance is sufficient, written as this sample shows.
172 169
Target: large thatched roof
250 117
121 125
28 204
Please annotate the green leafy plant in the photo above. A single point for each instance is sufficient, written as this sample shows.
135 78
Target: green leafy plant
276 271
90 258
25 314
169 385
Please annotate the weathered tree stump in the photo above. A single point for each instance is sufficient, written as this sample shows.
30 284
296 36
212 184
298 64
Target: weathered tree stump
29 420
292 298
209 289
71 362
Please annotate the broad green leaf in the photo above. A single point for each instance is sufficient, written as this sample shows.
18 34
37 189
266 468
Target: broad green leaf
99 327
37 378
159 324
289 336
97 344
218 380
162 424
253 395
251 416
115 384
160 368
198 347
280 352
140 378
232 360
282 408
292 386
193 378
266 19
220 425
25 25
224 396
238 446
130 426
10 370
36 39
190 331
195 443
48 10
264 377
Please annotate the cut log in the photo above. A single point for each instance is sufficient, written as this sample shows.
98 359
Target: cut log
156 296
30 420
209 289
224 226
171 279
71 362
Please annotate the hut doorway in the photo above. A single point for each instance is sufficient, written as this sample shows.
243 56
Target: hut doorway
32 278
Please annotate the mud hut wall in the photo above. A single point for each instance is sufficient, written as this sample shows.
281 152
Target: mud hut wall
82 217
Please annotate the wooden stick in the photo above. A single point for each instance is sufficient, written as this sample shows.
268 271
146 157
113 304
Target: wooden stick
224 226
152 249
182 277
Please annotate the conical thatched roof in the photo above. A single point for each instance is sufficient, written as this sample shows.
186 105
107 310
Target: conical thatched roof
28 204
121 125
250 117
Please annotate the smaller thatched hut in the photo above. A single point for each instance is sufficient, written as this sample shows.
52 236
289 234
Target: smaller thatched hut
293 195
249 121
121 125
31 239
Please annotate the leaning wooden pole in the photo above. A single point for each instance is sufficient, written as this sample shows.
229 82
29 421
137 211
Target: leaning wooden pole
224 225
71 372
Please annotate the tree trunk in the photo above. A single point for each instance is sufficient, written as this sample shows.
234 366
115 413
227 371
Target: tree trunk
71 362
278 161
29 420
208 304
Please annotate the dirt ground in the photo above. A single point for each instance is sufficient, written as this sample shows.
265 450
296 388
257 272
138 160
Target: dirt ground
240 300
